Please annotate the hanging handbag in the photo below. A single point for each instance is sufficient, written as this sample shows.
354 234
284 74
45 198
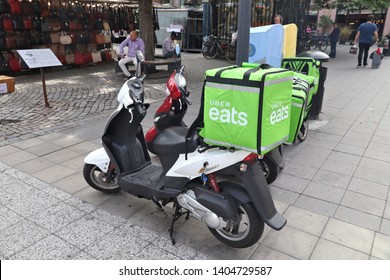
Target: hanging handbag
17 23
15 7
60 55
7 24
14 63
100 38
83 38
79 58
27 24
27 8
353 49
10 42
55 38
96 57
46 27
107 37
4 7
20 41
65 39
106 25
56 25
70 59
36 4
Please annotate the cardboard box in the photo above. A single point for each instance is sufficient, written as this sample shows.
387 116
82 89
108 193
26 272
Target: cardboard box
7 84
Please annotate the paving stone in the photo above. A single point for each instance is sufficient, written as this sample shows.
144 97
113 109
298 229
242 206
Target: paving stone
349 235
316 205
332 179
17 158
324 192
381 247
364 203
53 173
327 250
338 167
368 188
385 226
358 218
34 165
290 183
306 221
266 253
8 217
283 195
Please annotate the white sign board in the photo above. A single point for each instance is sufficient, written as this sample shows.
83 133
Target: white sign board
3 88
38 58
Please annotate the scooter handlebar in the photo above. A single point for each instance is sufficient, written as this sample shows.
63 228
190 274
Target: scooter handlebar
140 108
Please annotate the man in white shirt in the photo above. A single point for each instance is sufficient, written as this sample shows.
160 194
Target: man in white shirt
168 45
134 43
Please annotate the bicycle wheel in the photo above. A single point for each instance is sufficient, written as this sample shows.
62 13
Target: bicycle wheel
209 51
230 54
323 45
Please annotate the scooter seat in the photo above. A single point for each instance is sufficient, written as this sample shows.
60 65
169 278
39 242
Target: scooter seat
172 141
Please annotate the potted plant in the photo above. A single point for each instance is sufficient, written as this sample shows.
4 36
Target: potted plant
325 23
345 34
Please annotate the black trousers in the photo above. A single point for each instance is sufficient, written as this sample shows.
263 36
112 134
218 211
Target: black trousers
333 49
363 52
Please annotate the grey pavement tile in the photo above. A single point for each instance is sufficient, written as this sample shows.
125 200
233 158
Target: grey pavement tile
283 195
8 217
61 156
85 147
20 236
379 155
153 252
92 196
332 179
364 203
334 130
143 233
375 164
368 188
81 255
380 140
43 149
178 249
85 231
17 158
373 175
151 218
339 167
25 144
66 140
34 165
4 167
366 128
316 205
358 218
49 248
265 253
8 150
290 183
323 143
327 250
381 247
115 220
386 214
71 184
213 248
117 245
324 192
357 135
327 137
345 158
385 226
349 235
299 170
349 149
124 204
81 204
313 156
57 216
76 163
292 242
305 220
53 173
382 133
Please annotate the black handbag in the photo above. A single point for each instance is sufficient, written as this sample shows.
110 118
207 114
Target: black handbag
4 6
17 22
4 66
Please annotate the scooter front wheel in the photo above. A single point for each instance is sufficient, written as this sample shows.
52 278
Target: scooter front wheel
98 180
246 232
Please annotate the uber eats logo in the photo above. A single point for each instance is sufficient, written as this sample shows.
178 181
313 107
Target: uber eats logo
225 113
279 113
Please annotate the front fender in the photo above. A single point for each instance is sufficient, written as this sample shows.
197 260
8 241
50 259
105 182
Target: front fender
99 158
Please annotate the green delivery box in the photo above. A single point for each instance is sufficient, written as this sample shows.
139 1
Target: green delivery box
298 109
247 107
305 65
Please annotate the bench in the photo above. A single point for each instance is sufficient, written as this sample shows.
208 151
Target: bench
172 63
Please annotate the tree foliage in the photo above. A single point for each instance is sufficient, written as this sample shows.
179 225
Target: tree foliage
373 5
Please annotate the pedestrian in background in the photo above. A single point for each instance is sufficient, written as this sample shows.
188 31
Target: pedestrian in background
367 34
134 43
334 38
278 19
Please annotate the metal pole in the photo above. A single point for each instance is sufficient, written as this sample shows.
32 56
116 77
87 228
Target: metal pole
244 10
44 88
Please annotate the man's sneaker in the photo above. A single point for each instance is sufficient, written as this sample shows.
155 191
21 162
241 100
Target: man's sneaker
129 76
359 66
365 64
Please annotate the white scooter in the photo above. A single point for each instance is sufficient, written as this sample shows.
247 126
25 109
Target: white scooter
235 213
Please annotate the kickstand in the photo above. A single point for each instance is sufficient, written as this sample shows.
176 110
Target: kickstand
176 215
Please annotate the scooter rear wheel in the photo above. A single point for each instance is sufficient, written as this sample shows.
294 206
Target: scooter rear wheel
97 179
270 170
302 134
246 232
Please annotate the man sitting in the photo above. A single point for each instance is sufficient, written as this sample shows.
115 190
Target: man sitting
168 45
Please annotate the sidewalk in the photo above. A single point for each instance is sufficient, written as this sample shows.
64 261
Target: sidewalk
334 190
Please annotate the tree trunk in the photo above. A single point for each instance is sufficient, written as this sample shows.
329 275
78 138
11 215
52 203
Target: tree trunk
147 30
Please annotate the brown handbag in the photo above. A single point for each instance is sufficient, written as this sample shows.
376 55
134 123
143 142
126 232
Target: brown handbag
10 42
100 38
55 37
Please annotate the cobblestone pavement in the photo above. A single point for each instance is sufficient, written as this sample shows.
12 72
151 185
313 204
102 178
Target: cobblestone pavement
76 96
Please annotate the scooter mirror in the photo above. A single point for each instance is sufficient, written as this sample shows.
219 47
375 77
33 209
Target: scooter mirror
140 56
177 49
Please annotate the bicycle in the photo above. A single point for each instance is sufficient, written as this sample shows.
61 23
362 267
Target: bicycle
318 42
212 47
